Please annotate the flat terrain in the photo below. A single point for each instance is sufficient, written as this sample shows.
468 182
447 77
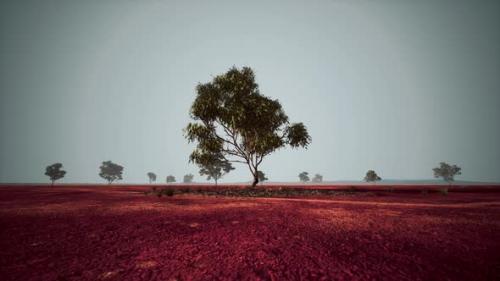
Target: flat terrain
118 233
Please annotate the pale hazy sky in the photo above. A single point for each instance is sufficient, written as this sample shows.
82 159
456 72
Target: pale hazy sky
394 86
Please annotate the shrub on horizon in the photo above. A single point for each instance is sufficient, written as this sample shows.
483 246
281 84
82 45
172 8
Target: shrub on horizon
110 171
188 178
447 172
317 178
304 177
55 172
371 176
152 177
170 179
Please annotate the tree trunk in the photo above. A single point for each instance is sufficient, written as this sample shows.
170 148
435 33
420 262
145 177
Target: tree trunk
53 182
215 181
255 179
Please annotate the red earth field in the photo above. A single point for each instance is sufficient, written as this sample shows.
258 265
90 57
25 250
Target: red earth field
118 233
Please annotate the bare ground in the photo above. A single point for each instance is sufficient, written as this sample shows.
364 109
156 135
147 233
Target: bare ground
118 233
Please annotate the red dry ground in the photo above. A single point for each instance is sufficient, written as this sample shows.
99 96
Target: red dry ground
118 233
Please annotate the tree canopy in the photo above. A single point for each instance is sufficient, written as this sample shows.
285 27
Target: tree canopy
371 176
234 121
170 179
262 176
216 168
317 178
152 177
447 171
188 178
304 177
111 171
55 172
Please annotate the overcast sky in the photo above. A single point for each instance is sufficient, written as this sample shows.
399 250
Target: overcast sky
394 86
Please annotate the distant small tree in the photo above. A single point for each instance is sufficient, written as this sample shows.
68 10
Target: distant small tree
152 177
262 176
304 177
215 168
170 179
447 172
317 178
55 172
188 178
371 176
111 171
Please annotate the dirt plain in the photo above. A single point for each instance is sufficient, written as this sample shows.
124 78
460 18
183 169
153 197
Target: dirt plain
117 233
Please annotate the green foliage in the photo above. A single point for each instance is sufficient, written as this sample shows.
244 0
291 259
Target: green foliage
297 135
152 177
55 172
447 171
304 177
317 178
188 178
170 179
235 122
371 176
215 168
110 171
262 177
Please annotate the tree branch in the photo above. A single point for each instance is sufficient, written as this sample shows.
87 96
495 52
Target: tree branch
260 160
231 134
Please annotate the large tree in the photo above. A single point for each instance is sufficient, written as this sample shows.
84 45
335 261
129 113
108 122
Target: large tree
234 120
371 176
111 171
152 177
55 172
215 168
447 172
